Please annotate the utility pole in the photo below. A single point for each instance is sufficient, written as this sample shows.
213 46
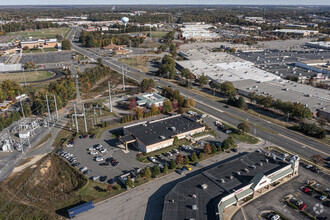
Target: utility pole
56 107
86 130
110 104
94 116
75 113
122 71
48 110
22 108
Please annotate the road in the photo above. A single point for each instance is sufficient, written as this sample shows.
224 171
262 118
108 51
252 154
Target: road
280 136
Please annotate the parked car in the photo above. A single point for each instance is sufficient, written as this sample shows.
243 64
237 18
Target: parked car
95 178
112 181
188 167
309 166
176 151
103 150
99 158
90 149
76 164
228 131
302 207
93 153
103 178
275 217
183 168
160 166
116 163
169 154
179 172
87 172
83 169
152 159
234 150
306 189
85 136
323 197
109 159
196 164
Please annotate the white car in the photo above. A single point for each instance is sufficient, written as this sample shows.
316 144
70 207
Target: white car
103 150
69 145
309 166
90 149
275 217
98 158
83 169
95 178
228 131
93 153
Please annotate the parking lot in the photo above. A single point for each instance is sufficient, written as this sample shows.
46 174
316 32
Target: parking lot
127 161
51 57
273 200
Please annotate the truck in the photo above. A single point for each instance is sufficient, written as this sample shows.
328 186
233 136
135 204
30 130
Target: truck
80 209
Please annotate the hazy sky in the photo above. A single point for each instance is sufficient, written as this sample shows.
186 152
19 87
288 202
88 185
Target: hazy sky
118 2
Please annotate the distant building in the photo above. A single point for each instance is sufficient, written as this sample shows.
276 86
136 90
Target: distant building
201 32
319 44
319 66
255 19
296 31
39 43
149 99
149 136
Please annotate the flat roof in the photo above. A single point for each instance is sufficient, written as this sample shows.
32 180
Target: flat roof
152 132
222 66
286 90
207 199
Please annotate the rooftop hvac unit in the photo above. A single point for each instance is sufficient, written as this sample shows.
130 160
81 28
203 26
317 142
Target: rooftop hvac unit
266 160
253 166
194 207
238 173
204 186
173 128
246 170
162 137
222 181
260 164
231 177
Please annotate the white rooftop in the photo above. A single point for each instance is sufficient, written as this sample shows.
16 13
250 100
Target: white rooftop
221 66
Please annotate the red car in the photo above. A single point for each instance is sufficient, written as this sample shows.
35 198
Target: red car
306 189
86 136
302 207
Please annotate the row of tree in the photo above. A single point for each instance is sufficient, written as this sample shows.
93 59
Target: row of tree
24 26
96 39
292 109
174 95
167 67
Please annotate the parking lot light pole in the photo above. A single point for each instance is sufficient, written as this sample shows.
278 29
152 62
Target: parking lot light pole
86 130
56 107
50 117
75 113
110 104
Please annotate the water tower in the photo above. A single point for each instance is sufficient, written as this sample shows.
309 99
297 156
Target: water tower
125 20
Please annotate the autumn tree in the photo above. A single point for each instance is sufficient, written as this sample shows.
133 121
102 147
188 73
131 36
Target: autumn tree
129 183
179 159
146 173
207 148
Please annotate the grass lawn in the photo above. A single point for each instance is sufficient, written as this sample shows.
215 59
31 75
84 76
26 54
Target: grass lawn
32 51
158 34
50 49
30 76
245 138
136 62
46 33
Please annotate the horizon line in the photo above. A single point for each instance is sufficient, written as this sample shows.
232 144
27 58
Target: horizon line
177 4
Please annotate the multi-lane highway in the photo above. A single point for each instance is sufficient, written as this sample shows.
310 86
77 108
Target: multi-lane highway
280 136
